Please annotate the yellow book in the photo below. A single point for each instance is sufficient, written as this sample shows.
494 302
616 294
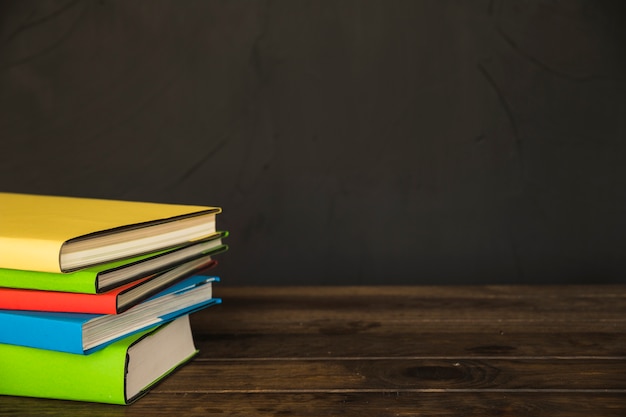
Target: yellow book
62 234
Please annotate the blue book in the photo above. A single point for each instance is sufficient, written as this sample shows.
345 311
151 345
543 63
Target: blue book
86 333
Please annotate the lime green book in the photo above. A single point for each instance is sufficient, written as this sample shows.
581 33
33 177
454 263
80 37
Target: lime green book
118 374
102 278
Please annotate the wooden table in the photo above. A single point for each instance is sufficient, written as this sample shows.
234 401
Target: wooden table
393 351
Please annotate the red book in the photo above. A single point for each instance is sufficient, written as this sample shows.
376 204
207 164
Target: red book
111 302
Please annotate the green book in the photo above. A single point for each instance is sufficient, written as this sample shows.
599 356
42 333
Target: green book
101 278
117 374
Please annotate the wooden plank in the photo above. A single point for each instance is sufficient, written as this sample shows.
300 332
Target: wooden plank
388 404
440 309
244 376
366 343
560 293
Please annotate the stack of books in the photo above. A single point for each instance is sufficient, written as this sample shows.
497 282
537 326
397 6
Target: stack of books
95 295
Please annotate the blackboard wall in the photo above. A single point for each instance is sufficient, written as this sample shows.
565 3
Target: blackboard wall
349 142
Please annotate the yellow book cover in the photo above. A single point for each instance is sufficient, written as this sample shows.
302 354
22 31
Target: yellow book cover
62 234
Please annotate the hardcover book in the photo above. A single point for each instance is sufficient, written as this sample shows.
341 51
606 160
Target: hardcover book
62 234
117 374
85 333
111 302
104 277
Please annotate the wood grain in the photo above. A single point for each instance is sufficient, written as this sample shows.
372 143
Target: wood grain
384 374
383 404
464 344
393 351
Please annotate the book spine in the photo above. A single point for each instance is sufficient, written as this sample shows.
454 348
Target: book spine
31 372
53 332
83 281
35 254
52 301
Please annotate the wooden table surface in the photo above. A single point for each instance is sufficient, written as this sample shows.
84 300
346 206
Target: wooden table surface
392 351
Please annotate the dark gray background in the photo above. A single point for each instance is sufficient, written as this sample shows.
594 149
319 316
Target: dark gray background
349 142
